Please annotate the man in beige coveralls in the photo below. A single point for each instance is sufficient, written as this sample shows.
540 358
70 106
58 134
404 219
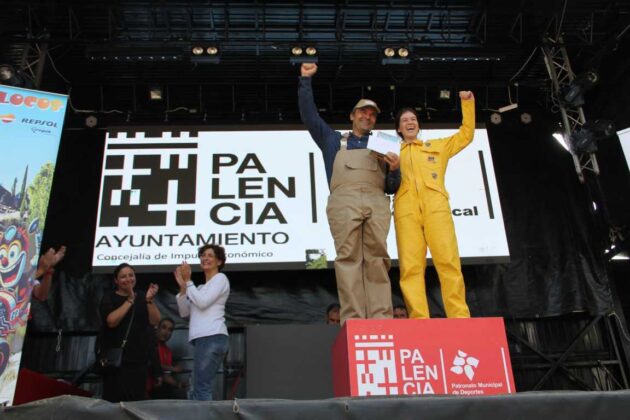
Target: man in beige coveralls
358 210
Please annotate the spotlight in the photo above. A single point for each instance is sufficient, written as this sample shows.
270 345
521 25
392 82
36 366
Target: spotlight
526 118
403 52
91 121
392 55
560 139
301 55
495 118
9 77
6 73
155 93
206 55
572 94
585 139
445 94
119 54
618 248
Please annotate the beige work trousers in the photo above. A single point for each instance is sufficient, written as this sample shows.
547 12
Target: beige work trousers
359 218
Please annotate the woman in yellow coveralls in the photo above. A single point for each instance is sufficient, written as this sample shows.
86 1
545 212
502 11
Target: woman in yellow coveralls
423 216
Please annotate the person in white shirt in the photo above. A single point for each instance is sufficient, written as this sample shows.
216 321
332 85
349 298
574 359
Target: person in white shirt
205 305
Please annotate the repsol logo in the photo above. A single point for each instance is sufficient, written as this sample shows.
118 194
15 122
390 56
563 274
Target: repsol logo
30 101
44 123
7 118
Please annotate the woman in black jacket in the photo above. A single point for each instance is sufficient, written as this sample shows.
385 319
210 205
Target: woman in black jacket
127 310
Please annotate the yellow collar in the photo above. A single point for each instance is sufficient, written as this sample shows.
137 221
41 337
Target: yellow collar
409 143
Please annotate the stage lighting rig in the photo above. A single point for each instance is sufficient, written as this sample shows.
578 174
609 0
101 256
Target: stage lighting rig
303 54
9 77
134 53
572 94
445 94
585 139
445 58
618 244
155 93
496 118
205 54
91 121
395 55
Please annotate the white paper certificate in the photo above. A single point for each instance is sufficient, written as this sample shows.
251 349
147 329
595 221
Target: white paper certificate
383 143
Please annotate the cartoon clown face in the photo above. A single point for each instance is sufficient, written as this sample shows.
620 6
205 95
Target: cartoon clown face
13 258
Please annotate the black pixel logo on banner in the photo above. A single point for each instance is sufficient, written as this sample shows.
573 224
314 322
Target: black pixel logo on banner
149 184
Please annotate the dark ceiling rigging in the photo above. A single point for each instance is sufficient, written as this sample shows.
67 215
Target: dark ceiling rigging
110 53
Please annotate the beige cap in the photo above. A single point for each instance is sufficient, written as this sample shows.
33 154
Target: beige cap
365 103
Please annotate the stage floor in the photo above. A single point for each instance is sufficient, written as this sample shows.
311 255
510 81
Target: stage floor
527 405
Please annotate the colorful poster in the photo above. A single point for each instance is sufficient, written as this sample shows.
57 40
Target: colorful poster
30 130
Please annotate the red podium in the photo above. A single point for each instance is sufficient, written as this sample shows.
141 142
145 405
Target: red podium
422 356
33 386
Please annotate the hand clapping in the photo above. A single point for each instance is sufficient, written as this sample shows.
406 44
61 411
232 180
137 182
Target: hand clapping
152 291
50 259
182 274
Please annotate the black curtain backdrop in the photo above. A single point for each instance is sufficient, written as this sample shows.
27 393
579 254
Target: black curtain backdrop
555 243
555 238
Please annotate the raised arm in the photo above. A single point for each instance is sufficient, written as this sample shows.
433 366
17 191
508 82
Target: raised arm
183 304
49 260
467 130
46 269
152 309
42 290
317 127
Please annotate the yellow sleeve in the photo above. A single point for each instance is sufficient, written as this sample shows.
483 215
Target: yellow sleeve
467 130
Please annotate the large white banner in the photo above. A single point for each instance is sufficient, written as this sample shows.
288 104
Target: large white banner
261 194
624 139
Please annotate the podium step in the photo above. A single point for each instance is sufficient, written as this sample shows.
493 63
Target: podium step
465 357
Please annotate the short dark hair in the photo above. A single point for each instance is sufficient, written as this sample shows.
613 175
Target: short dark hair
401 307
166 319
219 253
332 307
118 269
399 115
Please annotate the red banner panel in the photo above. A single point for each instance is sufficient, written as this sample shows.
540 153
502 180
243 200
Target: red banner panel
422 356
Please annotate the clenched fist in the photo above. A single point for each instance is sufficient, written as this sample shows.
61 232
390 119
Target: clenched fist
466 95
308 69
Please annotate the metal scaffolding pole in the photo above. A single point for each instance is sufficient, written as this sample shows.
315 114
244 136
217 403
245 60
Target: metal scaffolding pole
33 60
561 74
